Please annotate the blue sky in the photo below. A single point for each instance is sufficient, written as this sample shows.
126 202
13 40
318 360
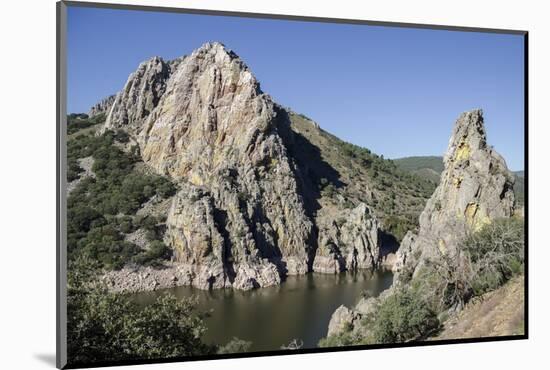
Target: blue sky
396 91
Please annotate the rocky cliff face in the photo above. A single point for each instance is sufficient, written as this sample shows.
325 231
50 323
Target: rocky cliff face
240 218
263 192
348 239
204 121
102 107
475 188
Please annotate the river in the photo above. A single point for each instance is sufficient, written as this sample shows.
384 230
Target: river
300 308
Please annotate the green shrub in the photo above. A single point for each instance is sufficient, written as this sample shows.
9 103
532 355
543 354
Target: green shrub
94 207
157 252
73 169
79 121
340 340
402 317
329 191
104 326
497 253
236 345
398 225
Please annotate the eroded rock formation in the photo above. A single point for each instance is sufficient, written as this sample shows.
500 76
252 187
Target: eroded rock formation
475 188
102 107
348 240
239 218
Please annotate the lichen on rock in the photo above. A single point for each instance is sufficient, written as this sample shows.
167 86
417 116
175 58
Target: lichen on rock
475 188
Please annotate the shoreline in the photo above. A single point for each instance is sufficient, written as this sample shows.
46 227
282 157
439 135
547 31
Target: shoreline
137 279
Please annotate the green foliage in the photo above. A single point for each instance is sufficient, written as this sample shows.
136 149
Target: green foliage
106 245
402 317
103 326
76 122
99 209
483 262
73 169
329 191
399 225
235 345
497 253
346 338
519 187
122 136
157 252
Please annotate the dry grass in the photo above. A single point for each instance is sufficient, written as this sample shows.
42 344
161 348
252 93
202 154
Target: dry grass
497 313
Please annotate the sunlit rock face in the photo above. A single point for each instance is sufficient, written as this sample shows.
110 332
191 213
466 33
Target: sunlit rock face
102 107
238 219
476 187
354 243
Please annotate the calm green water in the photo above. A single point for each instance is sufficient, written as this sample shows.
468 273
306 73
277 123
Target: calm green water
270 317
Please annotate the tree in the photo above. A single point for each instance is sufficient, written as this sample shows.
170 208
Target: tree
235 345
104 326
402 317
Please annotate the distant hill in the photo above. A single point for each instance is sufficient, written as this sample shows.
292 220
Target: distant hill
430 168
415 163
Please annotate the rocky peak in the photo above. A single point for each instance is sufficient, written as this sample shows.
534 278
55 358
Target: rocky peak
475 188
468 136
240 218
102 107
140 94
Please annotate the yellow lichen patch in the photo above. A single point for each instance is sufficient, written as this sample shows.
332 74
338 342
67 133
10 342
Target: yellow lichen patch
481 219
442 246
476 217
462 152
273 162
479 222
470 212
457 181
195 179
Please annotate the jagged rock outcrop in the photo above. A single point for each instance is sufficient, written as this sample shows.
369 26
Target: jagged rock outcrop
476 187
346 319
341 320
348 240
140 96
238 219
102 107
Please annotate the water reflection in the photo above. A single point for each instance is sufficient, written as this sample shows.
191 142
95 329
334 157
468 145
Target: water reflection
270 317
